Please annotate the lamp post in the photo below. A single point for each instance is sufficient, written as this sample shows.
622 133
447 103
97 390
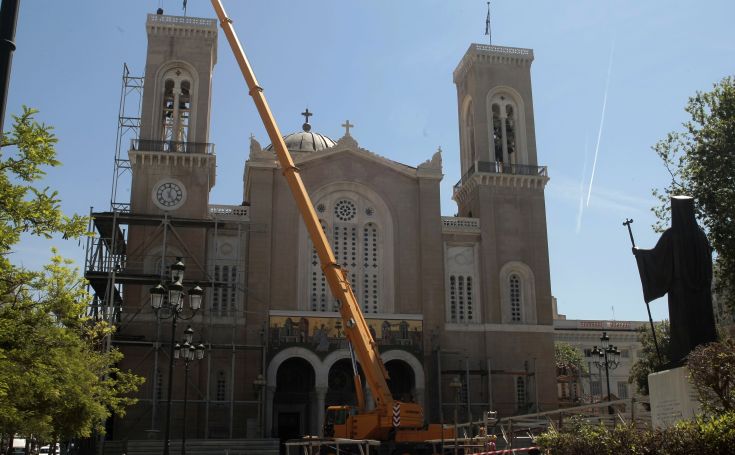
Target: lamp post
167 301
456 384
608 356
259 385
189 353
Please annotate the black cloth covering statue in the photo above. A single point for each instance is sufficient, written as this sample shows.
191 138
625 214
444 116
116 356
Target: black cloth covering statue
681 265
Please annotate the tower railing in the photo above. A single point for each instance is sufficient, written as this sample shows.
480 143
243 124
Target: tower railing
147 145
182 20
498 167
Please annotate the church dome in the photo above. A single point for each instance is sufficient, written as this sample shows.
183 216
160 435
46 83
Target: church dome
306 140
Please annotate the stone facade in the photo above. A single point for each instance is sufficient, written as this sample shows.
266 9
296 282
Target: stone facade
584 335
466 296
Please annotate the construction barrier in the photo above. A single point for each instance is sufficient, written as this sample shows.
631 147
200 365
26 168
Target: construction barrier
532 450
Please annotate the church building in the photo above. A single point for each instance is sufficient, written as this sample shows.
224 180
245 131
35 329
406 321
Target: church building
464 298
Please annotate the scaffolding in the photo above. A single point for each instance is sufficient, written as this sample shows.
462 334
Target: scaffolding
112 265
128 129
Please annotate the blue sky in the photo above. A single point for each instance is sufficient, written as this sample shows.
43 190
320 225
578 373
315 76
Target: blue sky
387 66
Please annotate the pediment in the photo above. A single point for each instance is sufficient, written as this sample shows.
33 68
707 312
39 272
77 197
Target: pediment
348 145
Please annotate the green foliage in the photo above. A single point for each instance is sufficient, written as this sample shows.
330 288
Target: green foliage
569 358
712 373
700 161
714 435
57 381
582 438
648 361
24 207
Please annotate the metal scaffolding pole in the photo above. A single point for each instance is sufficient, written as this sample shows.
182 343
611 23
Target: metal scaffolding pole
8 22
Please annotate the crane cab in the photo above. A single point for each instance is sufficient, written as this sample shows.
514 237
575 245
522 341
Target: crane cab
338 420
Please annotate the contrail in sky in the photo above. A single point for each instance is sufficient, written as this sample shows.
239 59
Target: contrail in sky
602 121
581 186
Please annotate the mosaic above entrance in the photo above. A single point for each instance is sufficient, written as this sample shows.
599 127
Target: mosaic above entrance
324 334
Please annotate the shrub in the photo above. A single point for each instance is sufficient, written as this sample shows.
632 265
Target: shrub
714 435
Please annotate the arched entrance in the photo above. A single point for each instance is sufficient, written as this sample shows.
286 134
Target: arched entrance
402 382
293 401
341 383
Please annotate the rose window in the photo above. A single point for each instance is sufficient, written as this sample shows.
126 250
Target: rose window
345 210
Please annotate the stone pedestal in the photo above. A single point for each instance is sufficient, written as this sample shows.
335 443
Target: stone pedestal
673 397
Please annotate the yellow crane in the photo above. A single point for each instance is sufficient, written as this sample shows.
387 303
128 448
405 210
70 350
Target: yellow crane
393 421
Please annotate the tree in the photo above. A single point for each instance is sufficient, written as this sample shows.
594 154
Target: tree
569 364
648 361
56 382
712 373
700 161
568 357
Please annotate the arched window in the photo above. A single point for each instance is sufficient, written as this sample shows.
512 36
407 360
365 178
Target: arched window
370 261
158 389
224 294
497 133
518 296
521 393
221 387
461 299
469 132
510 132
354 230
176 105
319 294
469 300
460 284
506 128
514 288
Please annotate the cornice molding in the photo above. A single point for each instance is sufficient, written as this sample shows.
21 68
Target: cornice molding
534 182
483 53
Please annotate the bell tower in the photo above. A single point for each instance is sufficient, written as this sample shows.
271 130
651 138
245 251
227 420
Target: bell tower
502 185
173 163
496 109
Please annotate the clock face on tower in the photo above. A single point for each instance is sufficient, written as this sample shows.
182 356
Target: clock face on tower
169 194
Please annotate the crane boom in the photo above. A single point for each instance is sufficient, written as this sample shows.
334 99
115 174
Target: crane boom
355 326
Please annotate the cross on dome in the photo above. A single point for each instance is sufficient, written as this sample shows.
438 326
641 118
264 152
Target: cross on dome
306 115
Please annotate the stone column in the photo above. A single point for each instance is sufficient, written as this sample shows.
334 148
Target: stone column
321 395
418 395
270 392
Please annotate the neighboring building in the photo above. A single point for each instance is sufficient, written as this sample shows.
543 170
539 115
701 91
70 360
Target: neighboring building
466 296
585 335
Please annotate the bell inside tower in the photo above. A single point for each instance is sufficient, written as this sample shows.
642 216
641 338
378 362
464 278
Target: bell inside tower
176 112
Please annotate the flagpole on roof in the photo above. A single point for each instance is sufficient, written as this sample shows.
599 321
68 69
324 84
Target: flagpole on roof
487 26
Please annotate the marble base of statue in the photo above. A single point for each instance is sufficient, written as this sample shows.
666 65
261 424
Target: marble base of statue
673 397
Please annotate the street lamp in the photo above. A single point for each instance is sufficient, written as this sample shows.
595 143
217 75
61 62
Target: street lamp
259 385
608 356
456 384
189 352
167 301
